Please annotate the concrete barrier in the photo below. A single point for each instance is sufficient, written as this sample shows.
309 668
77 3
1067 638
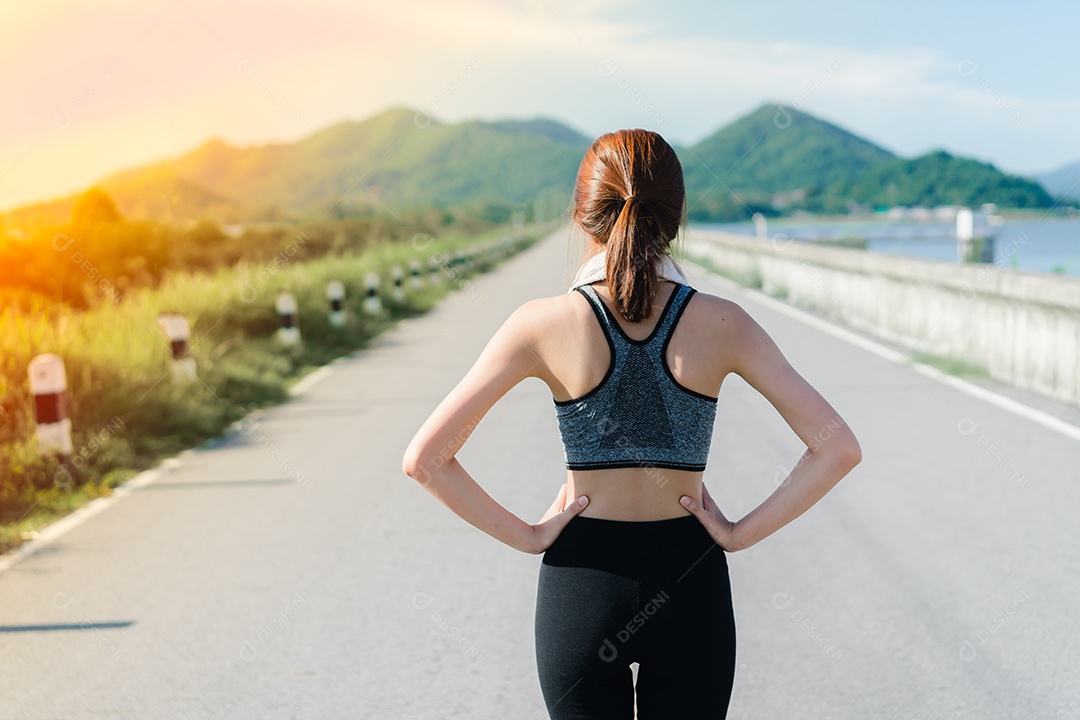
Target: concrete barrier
1021 327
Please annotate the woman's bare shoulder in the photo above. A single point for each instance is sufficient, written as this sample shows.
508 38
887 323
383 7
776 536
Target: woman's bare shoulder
714 315
554 308
540 316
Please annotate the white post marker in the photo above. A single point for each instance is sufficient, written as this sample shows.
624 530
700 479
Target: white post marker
433 269
372 303
399 290
289 332
761 226
48 383
965 231
176 329
417 276
335 293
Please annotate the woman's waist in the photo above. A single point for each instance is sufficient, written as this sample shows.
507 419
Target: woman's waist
634 494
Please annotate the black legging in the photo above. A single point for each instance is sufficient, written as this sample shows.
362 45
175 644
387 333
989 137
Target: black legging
657 593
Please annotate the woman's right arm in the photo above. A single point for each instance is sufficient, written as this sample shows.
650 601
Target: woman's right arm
831 448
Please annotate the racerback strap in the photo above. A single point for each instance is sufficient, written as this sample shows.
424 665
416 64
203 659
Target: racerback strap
664 326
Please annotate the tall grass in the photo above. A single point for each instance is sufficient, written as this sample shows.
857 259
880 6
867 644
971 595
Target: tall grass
126 412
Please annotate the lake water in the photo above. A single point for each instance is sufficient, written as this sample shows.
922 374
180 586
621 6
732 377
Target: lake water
1043 245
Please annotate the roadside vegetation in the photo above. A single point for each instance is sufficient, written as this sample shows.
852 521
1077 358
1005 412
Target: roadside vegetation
126 411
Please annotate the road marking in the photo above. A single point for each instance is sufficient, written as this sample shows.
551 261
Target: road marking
51 532
309 380
1041 417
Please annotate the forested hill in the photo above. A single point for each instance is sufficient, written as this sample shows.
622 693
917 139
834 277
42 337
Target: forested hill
393 161
773 159
778 158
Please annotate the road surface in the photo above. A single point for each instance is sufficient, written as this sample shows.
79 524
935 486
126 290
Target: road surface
291 570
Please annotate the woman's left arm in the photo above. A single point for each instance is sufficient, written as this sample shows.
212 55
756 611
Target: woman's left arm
509 357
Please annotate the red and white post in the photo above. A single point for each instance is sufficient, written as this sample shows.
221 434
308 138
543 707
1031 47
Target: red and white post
399 278
48 383
176 329
417 276
372 301
335 293
289 332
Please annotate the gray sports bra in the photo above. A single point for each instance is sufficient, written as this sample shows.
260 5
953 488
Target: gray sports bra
639 415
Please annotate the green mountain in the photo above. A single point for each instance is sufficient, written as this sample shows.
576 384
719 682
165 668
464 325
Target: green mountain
773 159
391 162
777 149
777 158
939 178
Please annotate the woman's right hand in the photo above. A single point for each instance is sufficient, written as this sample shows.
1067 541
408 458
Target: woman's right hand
555 519
722 530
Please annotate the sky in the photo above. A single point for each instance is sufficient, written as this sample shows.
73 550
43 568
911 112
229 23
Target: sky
98 86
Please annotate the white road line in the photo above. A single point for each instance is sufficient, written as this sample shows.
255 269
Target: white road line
1041 417
50 533
309 380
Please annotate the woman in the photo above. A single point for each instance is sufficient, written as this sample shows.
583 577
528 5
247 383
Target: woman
634 567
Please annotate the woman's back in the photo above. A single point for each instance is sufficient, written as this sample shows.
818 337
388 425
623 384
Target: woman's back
575 352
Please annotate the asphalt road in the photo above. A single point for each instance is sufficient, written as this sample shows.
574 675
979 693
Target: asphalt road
292 571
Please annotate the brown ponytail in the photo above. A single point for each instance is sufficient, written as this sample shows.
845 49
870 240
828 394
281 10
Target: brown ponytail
629 198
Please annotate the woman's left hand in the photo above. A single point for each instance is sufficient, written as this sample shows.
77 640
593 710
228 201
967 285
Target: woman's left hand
555 519
723 531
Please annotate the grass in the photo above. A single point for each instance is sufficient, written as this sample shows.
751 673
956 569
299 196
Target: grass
780 292
951 365
125 411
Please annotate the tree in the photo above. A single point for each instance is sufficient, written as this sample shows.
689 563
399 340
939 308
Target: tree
94 207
